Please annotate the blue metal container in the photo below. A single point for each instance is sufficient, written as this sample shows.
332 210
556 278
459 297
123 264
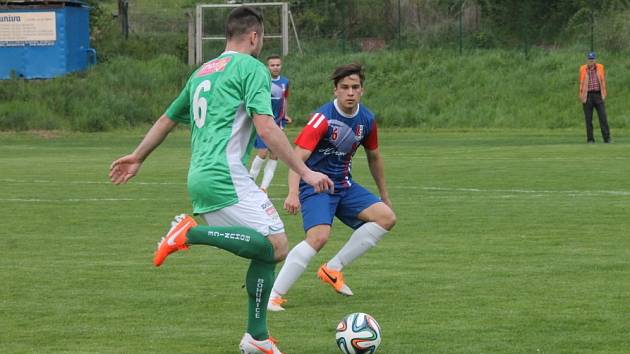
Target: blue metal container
44 39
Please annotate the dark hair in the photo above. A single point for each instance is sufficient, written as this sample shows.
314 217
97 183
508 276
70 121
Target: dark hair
347 70
242 20
274 56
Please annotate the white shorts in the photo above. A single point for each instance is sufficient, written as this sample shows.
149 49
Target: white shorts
254 210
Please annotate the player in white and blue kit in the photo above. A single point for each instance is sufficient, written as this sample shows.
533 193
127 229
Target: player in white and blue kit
279 96
327 144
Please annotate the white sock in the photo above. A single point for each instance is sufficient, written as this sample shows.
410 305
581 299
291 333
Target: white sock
256 167
362 239
293 267
270 169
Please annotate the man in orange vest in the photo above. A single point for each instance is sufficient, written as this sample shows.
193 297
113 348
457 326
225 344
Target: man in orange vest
593 95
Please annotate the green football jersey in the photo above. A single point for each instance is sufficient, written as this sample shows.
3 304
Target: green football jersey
219 101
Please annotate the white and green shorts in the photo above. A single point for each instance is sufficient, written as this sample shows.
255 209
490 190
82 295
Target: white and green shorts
254 210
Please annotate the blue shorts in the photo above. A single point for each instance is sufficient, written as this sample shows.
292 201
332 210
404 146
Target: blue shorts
259 143
345 204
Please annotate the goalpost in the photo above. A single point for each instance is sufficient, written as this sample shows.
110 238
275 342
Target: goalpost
203 39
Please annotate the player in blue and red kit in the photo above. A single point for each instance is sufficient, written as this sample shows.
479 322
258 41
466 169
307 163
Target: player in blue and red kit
327 144
279 96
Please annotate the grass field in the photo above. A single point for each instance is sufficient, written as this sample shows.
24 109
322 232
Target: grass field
506 242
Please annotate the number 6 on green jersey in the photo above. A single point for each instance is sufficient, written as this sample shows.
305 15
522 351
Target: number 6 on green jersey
200 104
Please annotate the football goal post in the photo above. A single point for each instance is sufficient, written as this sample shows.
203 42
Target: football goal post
210 32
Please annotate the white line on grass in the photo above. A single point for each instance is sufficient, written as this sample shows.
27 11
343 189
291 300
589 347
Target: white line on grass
516 158
81 200
42 181
573 193
529 191
76 200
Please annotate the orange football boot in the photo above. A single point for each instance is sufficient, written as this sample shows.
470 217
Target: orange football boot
335 279
175 239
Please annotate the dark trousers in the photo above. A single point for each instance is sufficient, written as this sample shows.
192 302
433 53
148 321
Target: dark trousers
594 100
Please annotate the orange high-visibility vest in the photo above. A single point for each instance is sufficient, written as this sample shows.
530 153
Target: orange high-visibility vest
601 75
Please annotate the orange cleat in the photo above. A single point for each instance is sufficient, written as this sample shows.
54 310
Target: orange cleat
249 345
335 279
175 239
275 304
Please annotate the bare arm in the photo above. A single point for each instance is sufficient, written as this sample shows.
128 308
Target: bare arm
277 142
292 202
375 163
124 168
154 137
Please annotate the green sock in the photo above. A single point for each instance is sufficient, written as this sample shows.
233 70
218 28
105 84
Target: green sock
259 281
248 243
242 241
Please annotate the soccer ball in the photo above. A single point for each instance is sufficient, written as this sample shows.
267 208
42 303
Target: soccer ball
358 333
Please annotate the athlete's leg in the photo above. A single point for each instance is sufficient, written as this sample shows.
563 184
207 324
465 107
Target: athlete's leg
242 241
258 281
264 249
371 223
264 252
280 245
299 257
317 214
261 238
259 159
379 213
257 165
270 170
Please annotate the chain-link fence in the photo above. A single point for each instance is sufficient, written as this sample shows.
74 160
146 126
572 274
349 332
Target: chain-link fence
371 25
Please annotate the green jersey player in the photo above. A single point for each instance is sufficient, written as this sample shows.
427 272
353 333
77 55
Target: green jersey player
223 101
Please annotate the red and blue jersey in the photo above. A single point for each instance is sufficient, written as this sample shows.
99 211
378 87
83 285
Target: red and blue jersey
333 137
279 95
